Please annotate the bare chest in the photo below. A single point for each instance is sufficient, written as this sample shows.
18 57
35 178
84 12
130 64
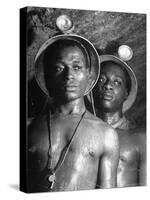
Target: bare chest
68 134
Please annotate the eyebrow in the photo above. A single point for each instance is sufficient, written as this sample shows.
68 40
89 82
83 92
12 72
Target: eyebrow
117 76
74 61
77 61
121 77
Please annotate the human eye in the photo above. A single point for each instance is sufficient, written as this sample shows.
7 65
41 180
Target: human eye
77 67
117 82
59 68
102 79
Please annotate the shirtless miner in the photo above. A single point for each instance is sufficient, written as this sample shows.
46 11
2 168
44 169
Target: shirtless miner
114 94
68 147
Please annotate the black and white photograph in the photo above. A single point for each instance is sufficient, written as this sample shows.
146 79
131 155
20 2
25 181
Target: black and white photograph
85 99
74 100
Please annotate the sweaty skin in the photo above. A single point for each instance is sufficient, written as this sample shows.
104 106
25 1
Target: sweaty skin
132 162
110 93
92 159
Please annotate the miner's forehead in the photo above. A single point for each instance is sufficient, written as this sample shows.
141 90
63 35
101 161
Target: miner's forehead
74 49
69 44
54 50
114 67
60 45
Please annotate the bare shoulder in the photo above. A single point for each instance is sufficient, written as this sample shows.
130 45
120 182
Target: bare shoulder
38 122
37 128
138 135
94 119
97 122
111 139
102 127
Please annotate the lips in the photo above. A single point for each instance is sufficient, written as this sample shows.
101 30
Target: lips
107 96
70 87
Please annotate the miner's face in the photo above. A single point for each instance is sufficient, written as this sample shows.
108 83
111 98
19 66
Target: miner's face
111 90
69 73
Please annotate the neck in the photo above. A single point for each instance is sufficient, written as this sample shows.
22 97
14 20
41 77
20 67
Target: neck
72 107
111 118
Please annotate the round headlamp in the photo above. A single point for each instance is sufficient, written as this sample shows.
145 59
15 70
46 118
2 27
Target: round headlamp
64 24
125 52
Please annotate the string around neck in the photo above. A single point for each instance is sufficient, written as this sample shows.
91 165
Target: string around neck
65 149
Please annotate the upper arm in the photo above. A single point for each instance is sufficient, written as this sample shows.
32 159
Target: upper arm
109 161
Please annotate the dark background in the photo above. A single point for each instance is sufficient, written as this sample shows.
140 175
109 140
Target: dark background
106 30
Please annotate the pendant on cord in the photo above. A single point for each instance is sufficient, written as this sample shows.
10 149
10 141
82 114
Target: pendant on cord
51 179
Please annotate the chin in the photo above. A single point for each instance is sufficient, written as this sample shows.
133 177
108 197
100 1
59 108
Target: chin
72 97
105 103
110 108
107 106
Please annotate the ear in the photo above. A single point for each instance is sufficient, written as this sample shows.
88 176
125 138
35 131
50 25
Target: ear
90 81
126 95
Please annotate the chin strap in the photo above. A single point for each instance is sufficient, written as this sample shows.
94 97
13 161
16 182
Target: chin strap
92 102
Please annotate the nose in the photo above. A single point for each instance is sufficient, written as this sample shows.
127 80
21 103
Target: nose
69 73
107 85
